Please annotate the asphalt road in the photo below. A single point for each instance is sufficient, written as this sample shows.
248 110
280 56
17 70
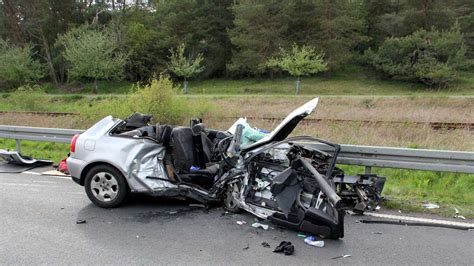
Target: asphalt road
38 226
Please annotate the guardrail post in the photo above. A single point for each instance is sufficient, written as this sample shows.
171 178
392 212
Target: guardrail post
18 145
368 170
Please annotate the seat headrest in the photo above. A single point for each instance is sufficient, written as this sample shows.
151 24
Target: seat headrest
198 129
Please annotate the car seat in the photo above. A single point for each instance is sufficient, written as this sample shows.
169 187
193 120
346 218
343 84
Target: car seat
187 149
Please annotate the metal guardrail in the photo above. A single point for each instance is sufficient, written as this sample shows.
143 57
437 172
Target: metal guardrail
20 133
404 158
368 156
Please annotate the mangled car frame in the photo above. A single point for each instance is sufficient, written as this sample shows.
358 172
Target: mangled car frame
289 181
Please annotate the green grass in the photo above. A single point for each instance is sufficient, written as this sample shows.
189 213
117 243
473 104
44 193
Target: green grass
354 81
357 82
39 150
407 190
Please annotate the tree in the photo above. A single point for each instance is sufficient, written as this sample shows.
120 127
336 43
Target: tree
431 57
340 32
260 29
202 25
183 66
17 65
299 61
92 53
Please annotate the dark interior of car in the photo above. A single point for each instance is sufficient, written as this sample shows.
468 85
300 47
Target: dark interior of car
191 152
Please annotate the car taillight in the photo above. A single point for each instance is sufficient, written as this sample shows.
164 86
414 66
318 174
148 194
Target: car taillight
73 143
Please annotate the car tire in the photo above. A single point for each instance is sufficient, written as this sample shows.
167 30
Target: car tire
230 201
105 186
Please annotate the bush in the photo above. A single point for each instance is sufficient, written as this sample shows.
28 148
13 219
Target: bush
29 98
160 98
431 57
17 66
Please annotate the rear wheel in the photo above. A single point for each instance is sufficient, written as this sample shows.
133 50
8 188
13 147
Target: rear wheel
105 186
231 196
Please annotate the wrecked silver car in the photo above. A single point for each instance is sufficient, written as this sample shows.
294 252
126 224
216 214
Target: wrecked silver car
292 182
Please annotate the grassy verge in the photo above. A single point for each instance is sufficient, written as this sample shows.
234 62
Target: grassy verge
407 190
39 150
356 81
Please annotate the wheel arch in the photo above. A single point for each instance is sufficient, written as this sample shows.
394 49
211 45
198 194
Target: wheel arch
94 164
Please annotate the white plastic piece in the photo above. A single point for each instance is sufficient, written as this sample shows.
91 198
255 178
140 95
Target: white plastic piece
259 225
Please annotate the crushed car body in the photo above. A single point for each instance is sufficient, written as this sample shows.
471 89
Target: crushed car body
290 181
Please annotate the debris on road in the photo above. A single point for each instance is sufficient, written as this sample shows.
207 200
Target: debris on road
173 212
81 221
16 158
265 244
285 247
241 222
430 205
247 247
313 241
456 214
197 205
342 256
377 233
259 225
62 166
14 162
301 235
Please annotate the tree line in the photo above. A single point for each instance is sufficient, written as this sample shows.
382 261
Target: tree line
60 41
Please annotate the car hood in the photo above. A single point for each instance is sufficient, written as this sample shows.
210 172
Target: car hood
287 125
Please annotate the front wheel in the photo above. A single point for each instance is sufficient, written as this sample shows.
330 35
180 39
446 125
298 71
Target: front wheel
231 197
105 186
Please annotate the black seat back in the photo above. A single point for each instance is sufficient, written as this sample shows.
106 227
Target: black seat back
183 148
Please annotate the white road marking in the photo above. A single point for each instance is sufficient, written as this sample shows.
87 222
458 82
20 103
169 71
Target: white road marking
31 173
417 219
54 176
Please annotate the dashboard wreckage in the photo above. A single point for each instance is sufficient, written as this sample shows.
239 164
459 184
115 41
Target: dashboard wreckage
290 181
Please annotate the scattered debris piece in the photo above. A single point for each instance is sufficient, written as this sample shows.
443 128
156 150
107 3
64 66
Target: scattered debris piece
430 206
285 247
377 208
241 222
352 213
62 166
301 235
399 211
15 157
62 208
265 244
247 247
377 233
456 215
173 212
224 213
138 236
289 250
342 256
197 205
81 221
259 225
313 241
